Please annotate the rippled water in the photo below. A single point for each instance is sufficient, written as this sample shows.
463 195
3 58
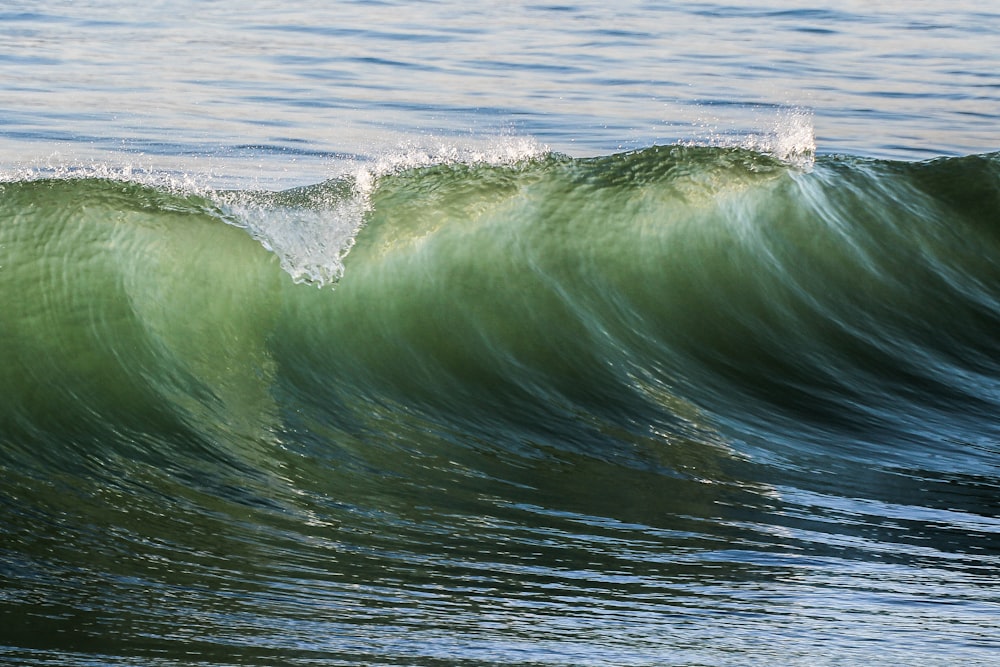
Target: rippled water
376 333
275 92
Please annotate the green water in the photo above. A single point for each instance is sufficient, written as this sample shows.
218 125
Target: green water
676 406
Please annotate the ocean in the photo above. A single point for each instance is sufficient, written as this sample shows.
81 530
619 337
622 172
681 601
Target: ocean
557 333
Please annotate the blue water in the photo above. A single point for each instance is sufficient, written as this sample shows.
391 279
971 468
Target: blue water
377 333
279 95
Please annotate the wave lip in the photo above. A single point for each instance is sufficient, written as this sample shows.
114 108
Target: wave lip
312 229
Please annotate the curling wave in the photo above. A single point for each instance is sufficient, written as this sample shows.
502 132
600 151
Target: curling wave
752 359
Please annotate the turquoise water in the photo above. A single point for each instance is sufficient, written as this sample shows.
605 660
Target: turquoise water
421 334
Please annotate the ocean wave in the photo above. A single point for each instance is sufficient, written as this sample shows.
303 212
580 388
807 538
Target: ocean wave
605 377
859 295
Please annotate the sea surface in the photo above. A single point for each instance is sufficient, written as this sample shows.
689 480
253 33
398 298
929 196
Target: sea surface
441 333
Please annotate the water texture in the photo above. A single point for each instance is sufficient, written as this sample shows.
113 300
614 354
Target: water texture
422 334
271 93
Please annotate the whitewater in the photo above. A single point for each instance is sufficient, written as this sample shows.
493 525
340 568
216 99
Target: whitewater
392 334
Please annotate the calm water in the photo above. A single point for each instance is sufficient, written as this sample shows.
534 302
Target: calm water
375 333
277 93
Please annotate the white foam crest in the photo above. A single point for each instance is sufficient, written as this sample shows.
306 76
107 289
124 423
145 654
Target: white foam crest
313 237
506 151
57 168
788 136
310 239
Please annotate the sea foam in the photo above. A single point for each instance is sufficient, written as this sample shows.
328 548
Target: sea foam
315 232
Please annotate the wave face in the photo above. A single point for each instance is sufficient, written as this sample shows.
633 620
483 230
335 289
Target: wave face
682 405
